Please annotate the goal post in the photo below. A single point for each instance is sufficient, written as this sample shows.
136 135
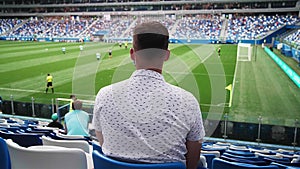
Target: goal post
244 52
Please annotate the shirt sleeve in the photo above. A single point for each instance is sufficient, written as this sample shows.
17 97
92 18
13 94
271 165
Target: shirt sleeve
197 130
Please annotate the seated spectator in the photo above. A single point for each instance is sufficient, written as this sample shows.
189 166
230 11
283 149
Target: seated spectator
55 122
76 121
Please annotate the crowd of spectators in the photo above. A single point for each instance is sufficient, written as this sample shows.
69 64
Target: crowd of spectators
8 24
294 38
192 27
197 28
254 27
118 27
32 27
69 27
167 22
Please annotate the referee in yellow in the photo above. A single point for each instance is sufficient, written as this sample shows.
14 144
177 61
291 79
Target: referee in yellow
49 80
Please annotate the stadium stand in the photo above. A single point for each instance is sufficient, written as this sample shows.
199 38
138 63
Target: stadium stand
256 27
196 27
294 37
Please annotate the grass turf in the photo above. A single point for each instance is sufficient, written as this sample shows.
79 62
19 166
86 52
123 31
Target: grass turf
197 68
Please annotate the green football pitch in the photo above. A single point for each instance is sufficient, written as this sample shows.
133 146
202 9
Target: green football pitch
260 87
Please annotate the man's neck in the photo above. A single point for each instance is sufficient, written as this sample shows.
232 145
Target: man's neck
155 69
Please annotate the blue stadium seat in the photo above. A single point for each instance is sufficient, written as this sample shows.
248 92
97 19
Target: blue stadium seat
240 160
97 147
24 140
103 162
223 164
209 159
221 150
253 158
240 153
4 155
282 166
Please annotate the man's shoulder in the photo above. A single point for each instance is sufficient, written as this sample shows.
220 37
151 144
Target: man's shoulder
182 93
84 112
68 115
110 88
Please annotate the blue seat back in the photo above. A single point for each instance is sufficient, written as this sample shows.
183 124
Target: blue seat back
240 153
242 157
103 162
209 159
4 155
284 166
97 147
24 140
223 164
240 160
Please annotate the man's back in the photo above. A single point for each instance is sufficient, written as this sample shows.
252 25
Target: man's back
56 125
146 119
77 122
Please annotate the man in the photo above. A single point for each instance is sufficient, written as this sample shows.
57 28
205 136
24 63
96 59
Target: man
73 98
110 53
98 56
126 45
219 52
81 48
49 80
144 119
76 121
63 49
55 122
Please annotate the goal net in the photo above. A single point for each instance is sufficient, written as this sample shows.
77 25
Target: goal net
244 52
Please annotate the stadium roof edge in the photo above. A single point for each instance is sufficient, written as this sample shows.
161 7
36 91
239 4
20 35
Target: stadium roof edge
160 12
128 3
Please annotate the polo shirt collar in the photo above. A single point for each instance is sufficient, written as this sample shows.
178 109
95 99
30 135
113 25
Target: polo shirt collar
149 73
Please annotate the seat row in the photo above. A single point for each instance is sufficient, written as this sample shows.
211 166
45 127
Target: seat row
240 156
31 137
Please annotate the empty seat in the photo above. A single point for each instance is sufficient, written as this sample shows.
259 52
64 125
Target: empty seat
81 144
240 153
24 140
45 158
223 164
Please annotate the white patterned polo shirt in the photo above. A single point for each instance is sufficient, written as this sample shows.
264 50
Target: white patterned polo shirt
145 119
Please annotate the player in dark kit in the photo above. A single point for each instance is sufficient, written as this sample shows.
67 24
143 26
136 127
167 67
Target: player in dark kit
219 52
110 53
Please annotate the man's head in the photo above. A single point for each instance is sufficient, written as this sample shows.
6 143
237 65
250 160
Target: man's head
73 97
150 45
77 105
150 35
54 117
48 74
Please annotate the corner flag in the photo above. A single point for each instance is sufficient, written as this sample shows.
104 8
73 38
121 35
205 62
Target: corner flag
229 87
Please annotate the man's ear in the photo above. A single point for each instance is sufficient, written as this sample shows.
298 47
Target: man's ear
132 54
167 55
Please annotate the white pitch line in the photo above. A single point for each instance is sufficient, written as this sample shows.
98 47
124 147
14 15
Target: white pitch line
208 56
